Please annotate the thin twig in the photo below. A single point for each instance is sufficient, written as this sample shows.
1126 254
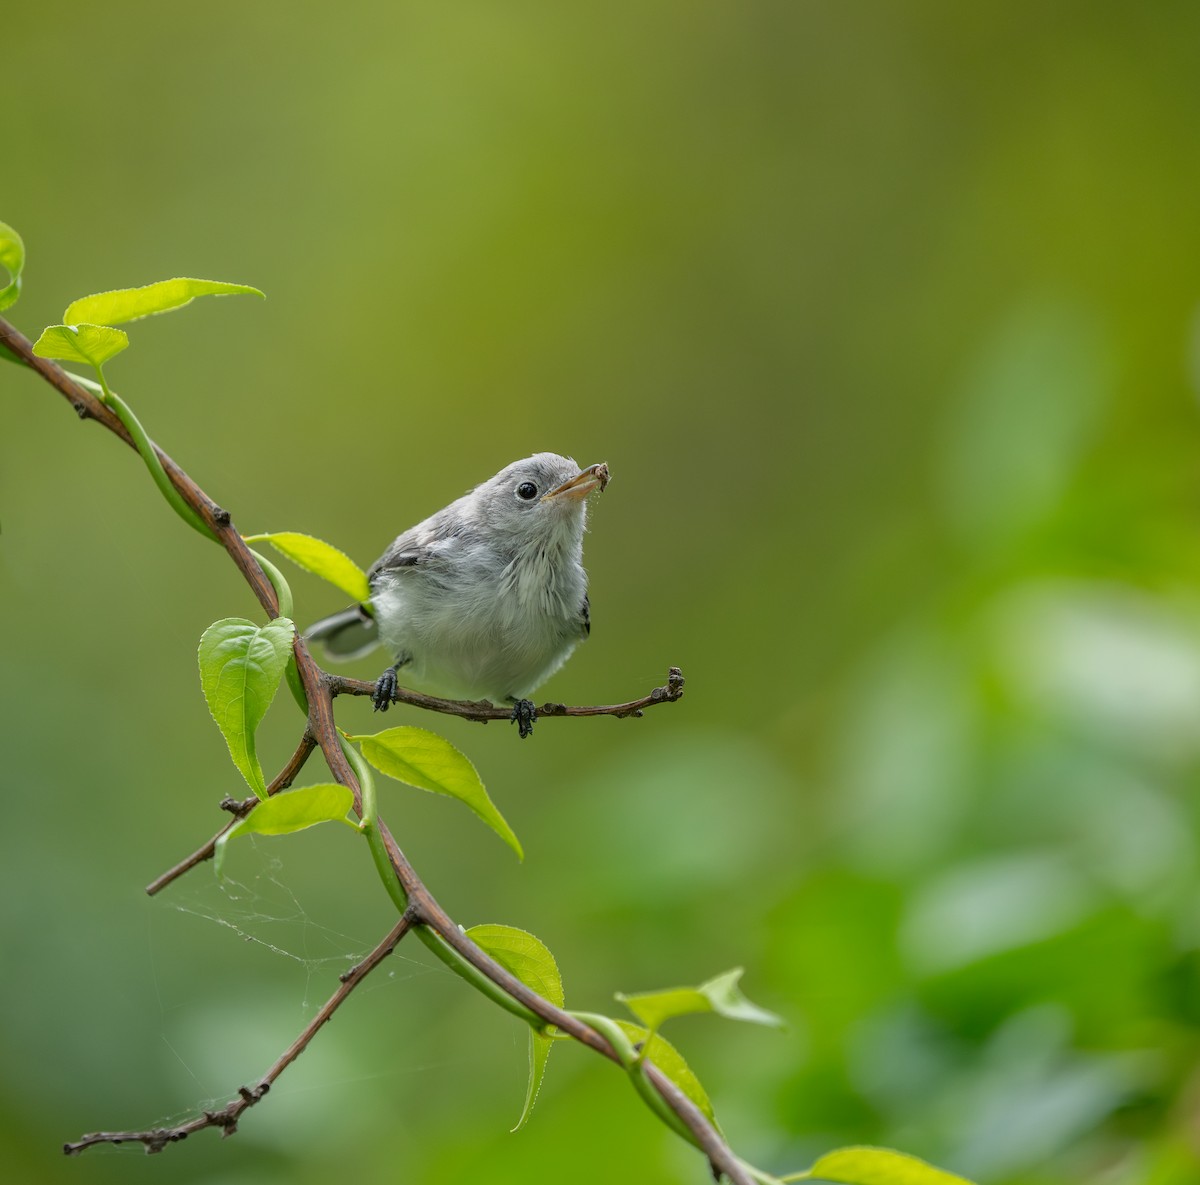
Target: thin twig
239 810
423 908
226 1118
484 710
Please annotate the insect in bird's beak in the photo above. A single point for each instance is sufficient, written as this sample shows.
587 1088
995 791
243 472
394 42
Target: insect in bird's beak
592 478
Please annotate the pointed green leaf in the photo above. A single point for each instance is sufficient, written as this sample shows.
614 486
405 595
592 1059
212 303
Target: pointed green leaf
539 1054
321 559
131 304
670 1061
727 1000
876 1166
292 810
720 994
423 759
530 960
241 665
91 344
12 259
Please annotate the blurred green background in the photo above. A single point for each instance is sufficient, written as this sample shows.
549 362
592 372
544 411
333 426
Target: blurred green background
885 319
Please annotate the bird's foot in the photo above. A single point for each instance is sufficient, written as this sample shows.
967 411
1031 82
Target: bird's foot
523 715
384 694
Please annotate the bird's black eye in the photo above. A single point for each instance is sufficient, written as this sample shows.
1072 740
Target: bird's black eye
527 490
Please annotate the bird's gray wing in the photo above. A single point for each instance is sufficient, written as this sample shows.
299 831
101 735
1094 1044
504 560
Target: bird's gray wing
414 547
585 616
396 558
421 544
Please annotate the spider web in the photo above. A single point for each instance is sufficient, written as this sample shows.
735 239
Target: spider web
243 1027
261 908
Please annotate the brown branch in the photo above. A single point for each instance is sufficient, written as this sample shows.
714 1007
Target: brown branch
226 1118
423 908
239 810
484 710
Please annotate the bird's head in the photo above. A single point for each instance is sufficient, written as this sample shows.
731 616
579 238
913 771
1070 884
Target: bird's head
540 499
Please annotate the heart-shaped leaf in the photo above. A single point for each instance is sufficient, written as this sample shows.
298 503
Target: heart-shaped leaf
93 345
241 665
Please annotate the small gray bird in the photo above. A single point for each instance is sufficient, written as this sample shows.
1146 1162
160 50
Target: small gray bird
485 599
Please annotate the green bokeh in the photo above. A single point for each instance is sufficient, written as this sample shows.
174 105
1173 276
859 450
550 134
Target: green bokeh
884 318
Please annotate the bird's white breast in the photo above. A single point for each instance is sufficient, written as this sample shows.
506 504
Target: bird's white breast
477 625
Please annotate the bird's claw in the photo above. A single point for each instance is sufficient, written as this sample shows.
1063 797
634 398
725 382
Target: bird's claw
384 694
523 715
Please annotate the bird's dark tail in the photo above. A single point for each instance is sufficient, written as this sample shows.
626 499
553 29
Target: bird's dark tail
346 635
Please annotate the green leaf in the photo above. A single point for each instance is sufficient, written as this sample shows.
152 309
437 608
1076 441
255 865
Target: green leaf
321 559
293 810
670 1061
527 957
876 1166
530 960
91 344
720 994
241 665
131 304
12 259
423 759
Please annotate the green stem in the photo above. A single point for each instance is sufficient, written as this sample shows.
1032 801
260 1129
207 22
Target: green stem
283 591
296 684
366 786
632 1060
105 393
90 384
612 1033
145 447
370 825
476 978
387 874
283 594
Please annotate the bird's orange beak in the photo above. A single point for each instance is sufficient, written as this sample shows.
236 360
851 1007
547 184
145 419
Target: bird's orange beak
592 478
